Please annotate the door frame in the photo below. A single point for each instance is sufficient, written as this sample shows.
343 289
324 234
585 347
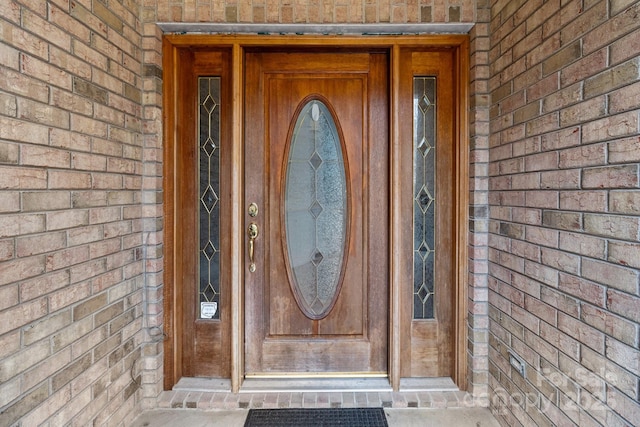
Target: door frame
351 336
236 44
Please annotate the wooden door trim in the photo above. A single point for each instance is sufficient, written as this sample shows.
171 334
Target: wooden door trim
395 211
461 213
171 323
172 320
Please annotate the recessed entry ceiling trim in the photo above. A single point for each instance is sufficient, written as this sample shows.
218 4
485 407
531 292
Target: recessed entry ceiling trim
329 29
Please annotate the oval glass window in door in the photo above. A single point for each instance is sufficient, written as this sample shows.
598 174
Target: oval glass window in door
316 208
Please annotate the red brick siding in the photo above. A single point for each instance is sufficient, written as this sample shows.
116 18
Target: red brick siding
565 139
71 229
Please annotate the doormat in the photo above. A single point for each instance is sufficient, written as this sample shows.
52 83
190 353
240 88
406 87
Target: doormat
316 417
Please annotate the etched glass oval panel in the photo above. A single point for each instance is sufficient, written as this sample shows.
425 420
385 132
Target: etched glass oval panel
316 209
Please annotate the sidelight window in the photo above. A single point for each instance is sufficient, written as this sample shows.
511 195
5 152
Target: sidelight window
209 191
424 195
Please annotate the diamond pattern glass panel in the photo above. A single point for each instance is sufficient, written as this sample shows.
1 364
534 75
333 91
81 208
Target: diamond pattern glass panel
424 206
209 189
315 209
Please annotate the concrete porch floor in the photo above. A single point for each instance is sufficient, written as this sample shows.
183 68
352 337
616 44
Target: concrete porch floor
203 402
396 417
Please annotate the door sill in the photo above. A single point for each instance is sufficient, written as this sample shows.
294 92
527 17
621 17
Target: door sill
281 385
204 385
428 384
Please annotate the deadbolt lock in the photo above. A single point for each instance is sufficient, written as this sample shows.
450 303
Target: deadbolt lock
253 210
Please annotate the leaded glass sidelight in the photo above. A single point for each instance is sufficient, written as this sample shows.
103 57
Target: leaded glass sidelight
209 190
424 193
315 209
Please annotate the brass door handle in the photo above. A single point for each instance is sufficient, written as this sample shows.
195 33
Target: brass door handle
253 234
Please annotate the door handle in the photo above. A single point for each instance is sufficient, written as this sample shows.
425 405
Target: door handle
252 232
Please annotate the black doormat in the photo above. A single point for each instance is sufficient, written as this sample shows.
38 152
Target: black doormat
316 417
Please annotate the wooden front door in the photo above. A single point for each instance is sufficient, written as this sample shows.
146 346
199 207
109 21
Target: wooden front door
316 194
346 157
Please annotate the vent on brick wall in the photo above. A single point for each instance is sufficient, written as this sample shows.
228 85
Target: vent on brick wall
517 363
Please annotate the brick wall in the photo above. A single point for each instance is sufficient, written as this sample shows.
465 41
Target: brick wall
310 11
349 11
74 218
478 313
564 198
80 189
